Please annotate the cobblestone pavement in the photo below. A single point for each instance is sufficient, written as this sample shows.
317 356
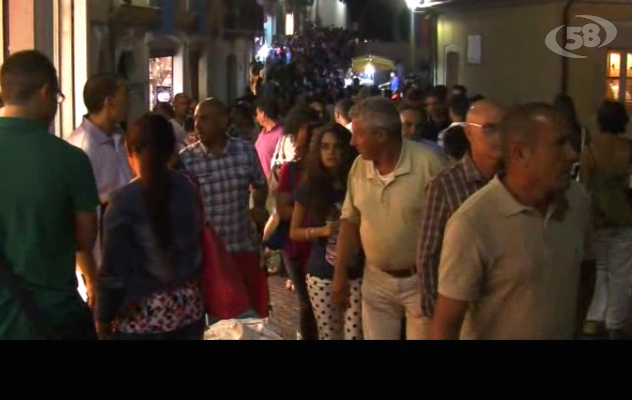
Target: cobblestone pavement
284 307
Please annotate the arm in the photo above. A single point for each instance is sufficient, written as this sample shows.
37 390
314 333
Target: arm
461 278
347 246
586 168
259 186
448 319
85 201
284 199
298 233
434 218
86 237
117 252
586 291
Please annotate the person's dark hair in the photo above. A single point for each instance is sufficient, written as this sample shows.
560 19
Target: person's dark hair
270 108
565 105
318 180
298 117
245 111
459 105
23 74
477 98
344 107
302 153
99 88
152 140
455 142
414 96
440 92
166 109
408 106
461 89
612 117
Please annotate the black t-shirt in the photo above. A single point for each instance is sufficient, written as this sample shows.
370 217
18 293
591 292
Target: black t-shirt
322 257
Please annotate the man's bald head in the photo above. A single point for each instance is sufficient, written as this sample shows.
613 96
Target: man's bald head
214 105
483 131
485 110
211 120
523 124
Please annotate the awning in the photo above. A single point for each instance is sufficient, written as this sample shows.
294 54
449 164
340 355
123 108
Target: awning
360 64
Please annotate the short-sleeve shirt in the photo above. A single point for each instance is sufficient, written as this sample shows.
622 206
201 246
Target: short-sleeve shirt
45 181
266 145
389 214
519 270
322 257
225 183
107 156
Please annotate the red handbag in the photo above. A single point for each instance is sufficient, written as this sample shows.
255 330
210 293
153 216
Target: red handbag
223 289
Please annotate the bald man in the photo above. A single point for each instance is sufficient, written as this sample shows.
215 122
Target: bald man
517 260
226 169
452 187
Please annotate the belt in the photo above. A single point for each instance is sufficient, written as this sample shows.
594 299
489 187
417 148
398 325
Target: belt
402 273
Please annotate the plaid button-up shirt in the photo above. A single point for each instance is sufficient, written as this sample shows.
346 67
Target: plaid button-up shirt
446 193
225 183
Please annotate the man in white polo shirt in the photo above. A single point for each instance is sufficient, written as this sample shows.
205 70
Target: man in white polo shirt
517 260
386 189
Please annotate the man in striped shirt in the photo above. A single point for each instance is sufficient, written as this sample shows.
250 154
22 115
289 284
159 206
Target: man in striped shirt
452 187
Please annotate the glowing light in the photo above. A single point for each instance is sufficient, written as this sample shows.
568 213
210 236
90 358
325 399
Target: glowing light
263 52
413 4
289 24
369 69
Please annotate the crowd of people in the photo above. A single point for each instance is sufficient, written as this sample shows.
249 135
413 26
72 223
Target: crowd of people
432 216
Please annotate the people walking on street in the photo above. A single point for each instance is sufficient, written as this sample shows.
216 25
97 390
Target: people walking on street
452 187
605 171
316 220
458 107
296 254
517 259
437 116
100 135
268 117
381 211
149 279
412 122
48 218
342 113
228 170
181 108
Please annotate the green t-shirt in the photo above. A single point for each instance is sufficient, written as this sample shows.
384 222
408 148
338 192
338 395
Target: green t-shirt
43 182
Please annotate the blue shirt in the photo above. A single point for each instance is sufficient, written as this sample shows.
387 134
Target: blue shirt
395 84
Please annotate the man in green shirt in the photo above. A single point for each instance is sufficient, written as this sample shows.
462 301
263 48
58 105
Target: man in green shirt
48 202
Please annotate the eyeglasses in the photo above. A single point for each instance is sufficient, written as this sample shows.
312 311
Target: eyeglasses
488 129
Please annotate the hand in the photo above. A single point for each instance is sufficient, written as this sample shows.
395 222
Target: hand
259 216
104 330
91 296
330 228
341 292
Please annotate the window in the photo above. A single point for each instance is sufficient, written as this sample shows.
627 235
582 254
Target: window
160 80
619 75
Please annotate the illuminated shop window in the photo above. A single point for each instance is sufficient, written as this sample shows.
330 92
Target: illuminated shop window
160 80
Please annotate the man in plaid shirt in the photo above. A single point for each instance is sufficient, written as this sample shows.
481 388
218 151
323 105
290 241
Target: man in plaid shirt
226 169
453 187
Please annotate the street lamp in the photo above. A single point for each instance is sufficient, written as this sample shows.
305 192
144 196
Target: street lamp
412 5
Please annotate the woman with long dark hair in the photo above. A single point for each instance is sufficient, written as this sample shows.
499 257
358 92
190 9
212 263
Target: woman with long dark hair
316 220
148 282
296 254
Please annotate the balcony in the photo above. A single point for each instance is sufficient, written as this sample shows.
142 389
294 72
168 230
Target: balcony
137 13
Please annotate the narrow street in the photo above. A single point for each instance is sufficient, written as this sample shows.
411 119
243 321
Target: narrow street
284 307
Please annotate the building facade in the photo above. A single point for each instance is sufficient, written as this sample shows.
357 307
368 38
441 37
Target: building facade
161 47
498 48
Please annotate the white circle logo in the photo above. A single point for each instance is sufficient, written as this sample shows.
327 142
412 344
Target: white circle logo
585 36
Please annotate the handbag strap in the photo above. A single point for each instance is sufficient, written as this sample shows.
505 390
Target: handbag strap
21 296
